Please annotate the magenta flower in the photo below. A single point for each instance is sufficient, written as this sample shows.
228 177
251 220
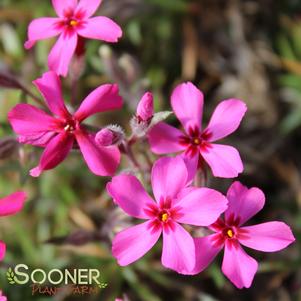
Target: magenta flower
10 205
197 144
229 234
174 204
73 23
58 133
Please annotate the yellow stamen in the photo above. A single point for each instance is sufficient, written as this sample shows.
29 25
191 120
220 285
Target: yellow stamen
196 141
164 217
73 23
230 233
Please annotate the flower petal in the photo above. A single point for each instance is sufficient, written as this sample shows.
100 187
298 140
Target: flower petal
100 28
50 87
2 250
55 152
12 204
104 98
267 237
61 53
201 207
205 252
178 249
238 266
27 120
164 139
169 177
224 160
129 194
61 6
243 202
102 161
226 119
42 28
131 244
89 7
38 139
192 163
187 103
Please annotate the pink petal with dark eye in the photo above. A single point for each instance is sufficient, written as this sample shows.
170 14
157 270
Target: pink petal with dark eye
132 198
132 243
267 237
238 266
178 250
187 103
244 203
50 87
169 177
224 160
102 99
165 139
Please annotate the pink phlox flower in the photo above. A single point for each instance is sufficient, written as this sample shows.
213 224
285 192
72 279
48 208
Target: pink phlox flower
74 22
174 204
230 234
195 143
59 132
10 205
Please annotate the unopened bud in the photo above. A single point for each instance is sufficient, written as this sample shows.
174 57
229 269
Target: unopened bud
110 135
145 109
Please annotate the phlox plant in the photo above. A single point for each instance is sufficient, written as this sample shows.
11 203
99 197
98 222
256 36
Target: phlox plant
175 199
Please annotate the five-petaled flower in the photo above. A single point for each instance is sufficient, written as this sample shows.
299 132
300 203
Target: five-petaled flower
74 23
10 205
58 133
175 203
229 234
187 104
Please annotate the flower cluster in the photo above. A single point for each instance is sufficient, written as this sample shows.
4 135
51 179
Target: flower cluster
176 199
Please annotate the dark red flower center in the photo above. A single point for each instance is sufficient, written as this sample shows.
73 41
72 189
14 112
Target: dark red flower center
163 214
70 125
195 141
71 20
228 230
229 233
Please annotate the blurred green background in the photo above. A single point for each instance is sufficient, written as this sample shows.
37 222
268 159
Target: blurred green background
233 48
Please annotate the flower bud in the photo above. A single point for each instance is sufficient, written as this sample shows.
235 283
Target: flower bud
145 109
110 135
